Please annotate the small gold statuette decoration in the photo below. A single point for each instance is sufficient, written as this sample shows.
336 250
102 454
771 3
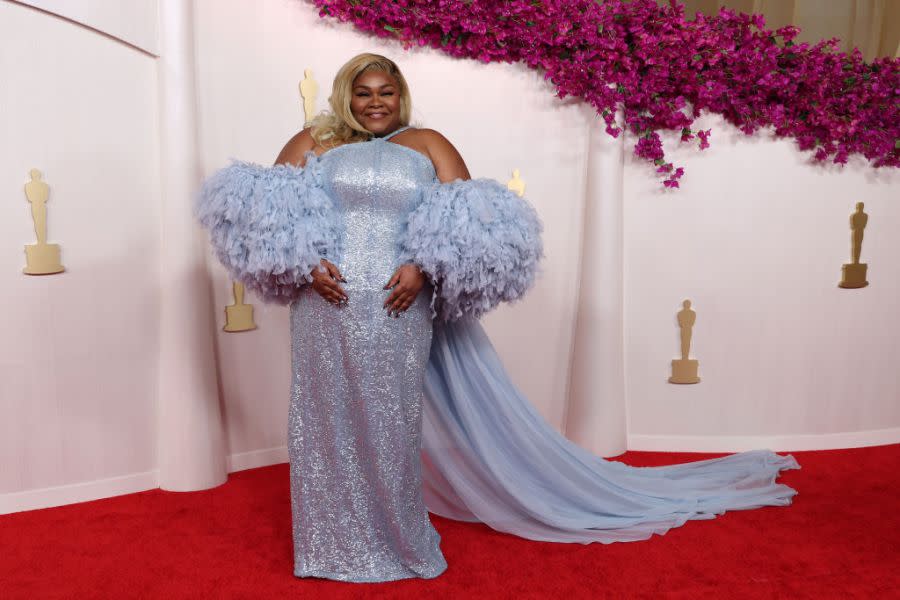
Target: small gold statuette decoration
516 184
684 370
854 274
238 316
309 89
40 258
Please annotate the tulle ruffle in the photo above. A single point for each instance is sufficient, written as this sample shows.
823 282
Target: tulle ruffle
478 241
489 456
269 226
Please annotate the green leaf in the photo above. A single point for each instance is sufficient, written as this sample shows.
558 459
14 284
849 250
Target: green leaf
391 29
897 144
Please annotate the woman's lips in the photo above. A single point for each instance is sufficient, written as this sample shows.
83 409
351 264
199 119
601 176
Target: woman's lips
377 115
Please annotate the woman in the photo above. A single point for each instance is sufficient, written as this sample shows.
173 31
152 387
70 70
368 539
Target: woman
361 338
388 253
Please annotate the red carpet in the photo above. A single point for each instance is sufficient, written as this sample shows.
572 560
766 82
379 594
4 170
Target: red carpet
840 539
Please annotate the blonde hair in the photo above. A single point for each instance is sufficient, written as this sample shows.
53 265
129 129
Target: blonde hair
338 126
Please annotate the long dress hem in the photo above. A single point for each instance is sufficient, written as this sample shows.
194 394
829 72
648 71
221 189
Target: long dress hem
372 578
489 456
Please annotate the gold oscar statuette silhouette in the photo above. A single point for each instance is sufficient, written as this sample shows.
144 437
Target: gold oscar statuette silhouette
854 274
684 370
238 316
516 184
309 89
41 258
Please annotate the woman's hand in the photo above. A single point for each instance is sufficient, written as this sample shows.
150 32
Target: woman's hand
407 281
325 282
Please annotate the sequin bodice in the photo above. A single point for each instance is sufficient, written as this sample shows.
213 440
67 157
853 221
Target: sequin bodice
374 185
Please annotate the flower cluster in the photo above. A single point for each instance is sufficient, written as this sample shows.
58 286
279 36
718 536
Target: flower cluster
662 69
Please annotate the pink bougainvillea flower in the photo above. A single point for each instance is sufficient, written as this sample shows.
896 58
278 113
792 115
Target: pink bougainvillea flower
662 70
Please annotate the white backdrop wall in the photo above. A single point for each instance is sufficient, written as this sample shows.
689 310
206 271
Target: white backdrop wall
756 237
78 357
134 22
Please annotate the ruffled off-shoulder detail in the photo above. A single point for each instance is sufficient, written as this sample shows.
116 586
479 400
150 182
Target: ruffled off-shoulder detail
269 226
478 240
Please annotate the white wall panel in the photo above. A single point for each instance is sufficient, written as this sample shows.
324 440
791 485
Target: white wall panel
756 238
78 357
134 22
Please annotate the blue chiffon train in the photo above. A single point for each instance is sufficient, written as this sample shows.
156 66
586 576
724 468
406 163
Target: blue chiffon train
489 456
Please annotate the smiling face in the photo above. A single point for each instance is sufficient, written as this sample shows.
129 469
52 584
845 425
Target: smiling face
375 102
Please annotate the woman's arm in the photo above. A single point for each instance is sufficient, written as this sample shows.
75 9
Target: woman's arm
448 164
295 149
325 277
477 240
408 279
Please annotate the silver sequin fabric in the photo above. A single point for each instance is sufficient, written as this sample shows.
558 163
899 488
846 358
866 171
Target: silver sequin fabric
355 417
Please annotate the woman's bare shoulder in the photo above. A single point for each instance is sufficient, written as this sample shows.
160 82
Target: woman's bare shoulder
448 163
433 138
295 149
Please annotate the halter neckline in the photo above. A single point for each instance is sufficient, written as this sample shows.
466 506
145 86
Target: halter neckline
393 133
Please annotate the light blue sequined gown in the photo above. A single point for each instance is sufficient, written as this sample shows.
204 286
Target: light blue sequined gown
355 418
370 453
368 450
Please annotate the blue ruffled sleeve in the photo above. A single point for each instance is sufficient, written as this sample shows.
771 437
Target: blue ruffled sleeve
269 226
478 241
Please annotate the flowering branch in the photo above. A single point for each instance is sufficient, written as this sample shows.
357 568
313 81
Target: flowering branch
662 70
